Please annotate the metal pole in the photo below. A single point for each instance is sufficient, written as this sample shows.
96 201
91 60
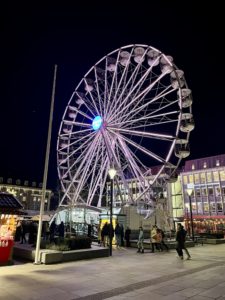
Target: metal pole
37 255
192 227
111 212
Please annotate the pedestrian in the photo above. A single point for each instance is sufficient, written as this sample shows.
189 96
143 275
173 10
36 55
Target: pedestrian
140 242
118 235
18 231
127 236
122 235
52 231
180 238
23 232
105 234
61 230
159 239
162 241
154 238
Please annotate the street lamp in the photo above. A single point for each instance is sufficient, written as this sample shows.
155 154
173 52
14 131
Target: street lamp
189 192
112 173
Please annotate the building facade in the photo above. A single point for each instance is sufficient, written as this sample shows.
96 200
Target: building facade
28 195
204 179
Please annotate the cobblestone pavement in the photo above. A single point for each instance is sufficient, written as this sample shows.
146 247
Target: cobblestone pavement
125 275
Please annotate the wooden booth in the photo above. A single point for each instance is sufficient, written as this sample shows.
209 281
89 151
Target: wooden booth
9 211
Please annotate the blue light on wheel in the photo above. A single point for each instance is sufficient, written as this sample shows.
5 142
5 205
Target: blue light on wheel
97 123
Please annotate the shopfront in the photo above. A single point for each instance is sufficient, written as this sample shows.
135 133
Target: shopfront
207 225
9 211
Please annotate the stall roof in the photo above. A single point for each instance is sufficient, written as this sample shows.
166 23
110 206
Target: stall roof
9 202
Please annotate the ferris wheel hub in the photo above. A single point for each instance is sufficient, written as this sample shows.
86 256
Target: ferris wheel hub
97 123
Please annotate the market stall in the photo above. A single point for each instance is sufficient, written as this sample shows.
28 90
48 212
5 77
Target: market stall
9 211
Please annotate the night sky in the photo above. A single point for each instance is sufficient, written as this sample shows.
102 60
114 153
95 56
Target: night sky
34 38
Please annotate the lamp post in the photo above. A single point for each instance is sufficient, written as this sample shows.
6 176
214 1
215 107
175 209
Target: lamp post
112 173
37 260
189 192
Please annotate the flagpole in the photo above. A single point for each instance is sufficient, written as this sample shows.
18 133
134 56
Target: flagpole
37 252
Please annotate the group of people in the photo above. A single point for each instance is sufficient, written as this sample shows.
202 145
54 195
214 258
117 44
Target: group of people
107 231
157 241
26 231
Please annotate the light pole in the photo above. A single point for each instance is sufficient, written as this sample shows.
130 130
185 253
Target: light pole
189 192
37 260
112 173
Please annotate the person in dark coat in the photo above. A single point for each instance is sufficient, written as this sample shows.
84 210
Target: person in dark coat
61 230
105 234
122 235
23 232
127 236
180 238
52 229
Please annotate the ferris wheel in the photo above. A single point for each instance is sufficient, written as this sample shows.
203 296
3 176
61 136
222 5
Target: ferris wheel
132 111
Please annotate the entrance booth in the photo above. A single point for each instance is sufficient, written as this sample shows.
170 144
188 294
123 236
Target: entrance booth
9 210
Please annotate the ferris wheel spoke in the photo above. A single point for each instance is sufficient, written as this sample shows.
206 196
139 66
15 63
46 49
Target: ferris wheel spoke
129 114
113 158
100 180
73 134
113 83
98 157
126 100
142 149
73 108
133 122
75 123
86 103
111 102
82 170
92 99
99 97
85 157
77 141
144 92
145 134
133 165
83 147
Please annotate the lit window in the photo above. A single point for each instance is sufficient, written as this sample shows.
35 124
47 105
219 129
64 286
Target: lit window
205 165
193 167
217 163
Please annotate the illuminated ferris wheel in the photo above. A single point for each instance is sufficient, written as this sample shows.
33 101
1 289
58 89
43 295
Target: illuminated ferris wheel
132 111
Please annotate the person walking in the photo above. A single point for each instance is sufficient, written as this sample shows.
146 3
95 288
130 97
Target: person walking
162 240
118 235
180 238
127 236
23 232
140 242
154 238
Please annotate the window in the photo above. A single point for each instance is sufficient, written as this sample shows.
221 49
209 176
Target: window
209 177
197 192
222 175
204 191
217 163
210 190
215 176
217 191
185 179
193 167
191 178
206 207
196 178
202 178
205 165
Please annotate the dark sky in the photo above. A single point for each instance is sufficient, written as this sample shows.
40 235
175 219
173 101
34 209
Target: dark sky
34 38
